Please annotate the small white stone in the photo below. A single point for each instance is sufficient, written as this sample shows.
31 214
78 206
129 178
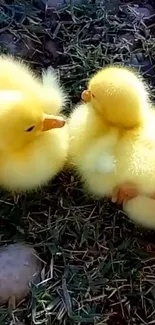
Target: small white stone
19 265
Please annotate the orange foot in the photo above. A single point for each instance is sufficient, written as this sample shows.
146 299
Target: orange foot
121 194
152 196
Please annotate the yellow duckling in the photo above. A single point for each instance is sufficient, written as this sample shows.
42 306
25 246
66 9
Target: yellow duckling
33 137
112 142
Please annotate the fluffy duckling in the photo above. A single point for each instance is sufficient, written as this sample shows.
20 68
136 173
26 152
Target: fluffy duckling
33 137
119 96
112 141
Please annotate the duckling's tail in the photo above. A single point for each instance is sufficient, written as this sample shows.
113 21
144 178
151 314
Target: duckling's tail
54 94
141 209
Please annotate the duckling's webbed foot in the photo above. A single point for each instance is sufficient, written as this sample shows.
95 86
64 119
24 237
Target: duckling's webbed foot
121 194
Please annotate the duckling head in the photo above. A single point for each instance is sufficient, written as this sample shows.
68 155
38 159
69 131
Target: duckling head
119 96
22 120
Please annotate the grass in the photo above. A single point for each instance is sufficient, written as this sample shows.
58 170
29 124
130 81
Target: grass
99 267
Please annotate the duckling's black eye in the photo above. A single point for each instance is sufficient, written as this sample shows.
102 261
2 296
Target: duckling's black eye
93 95
30 129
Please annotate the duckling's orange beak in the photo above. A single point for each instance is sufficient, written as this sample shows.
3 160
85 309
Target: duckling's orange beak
52 122
86 96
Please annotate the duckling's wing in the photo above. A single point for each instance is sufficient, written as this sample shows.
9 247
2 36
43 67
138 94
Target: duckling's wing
136 158
53 91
